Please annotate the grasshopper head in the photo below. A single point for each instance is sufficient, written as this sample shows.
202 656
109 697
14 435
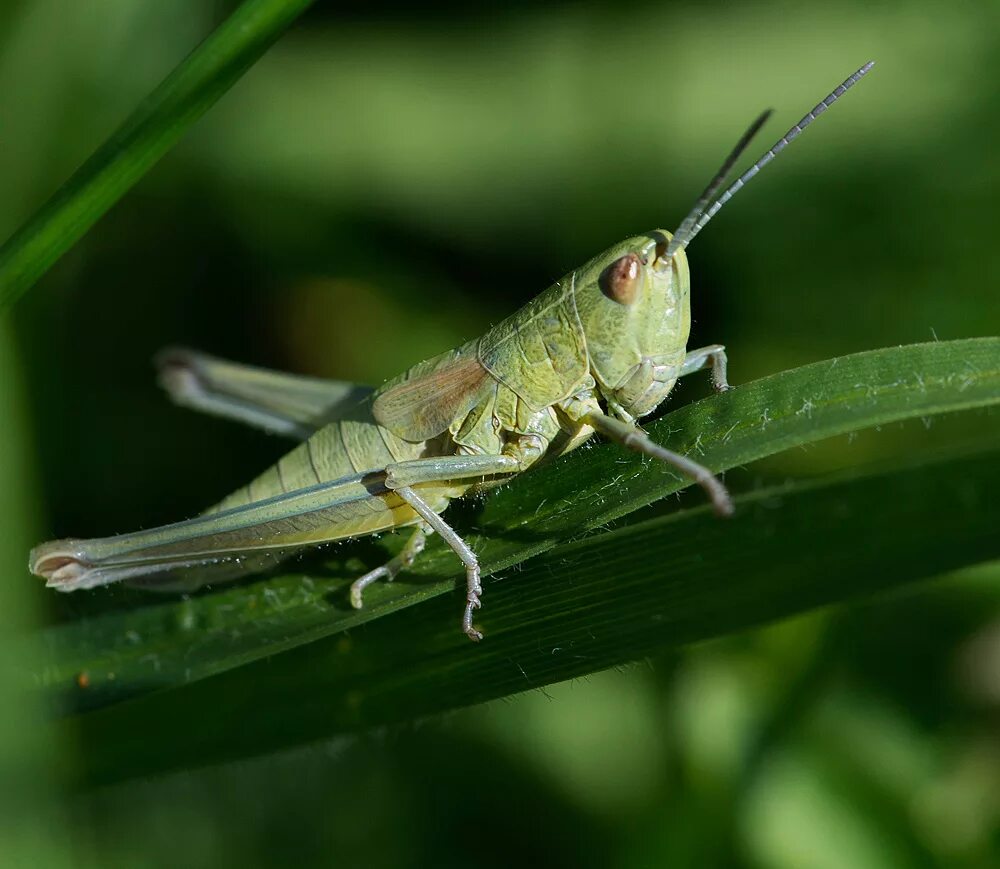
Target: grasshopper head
633 304
633 300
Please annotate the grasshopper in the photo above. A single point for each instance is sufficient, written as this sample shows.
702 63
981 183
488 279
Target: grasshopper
596 351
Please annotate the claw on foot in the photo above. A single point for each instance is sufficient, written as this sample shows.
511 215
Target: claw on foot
472 603
359 585
470 630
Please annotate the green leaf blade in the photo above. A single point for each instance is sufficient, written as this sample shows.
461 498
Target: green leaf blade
583 607
127 653
152 129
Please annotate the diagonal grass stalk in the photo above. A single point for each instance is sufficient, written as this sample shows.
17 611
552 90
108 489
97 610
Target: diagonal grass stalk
153 129
149 645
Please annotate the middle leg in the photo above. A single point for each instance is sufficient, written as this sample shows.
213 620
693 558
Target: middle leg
473 586
407 555
401 479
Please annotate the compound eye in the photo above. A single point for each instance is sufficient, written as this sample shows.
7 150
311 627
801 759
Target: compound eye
620 280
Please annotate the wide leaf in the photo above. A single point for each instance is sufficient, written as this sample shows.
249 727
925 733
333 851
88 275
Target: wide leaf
145 643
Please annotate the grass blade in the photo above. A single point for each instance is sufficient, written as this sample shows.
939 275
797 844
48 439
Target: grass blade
582 607
155 126
146 645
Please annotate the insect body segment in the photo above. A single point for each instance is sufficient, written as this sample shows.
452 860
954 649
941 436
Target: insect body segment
599 349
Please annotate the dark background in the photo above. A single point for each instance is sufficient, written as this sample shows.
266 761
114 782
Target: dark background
385 184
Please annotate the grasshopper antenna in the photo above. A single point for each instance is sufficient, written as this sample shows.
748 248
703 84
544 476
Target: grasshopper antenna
715 184
700 215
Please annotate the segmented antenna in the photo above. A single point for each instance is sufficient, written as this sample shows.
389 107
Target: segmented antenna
715 184
696 220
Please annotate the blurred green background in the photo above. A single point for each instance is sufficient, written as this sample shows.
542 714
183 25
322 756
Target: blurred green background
385 184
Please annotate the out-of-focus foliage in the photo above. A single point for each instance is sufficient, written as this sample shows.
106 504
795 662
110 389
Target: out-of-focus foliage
385 184
156 125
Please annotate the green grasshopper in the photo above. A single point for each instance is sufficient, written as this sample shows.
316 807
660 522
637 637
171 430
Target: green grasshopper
599 349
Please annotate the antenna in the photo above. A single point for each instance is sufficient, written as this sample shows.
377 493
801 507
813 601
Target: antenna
716 183
699 215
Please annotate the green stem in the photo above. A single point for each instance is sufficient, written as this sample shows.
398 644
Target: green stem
152 129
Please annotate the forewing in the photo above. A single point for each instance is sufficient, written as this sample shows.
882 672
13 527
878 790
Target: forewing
432 397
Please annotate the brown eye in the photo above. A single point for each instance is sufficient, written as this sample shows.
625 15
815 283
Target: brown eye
620 280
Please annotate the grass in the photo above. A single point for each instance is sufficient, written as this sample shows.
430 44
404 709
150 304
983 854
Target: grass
284 659
153 129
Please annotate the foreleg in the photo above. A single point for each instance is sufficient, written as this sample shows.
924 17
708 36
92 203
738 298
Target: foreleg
635 439
714 357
